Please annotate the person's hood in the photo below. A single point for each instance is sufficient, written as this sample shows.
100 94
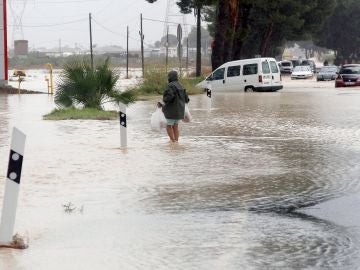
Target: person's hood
172 76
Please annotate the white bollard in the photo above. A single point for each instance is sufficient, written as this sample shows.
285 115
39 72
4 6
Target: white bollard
123 126
12 186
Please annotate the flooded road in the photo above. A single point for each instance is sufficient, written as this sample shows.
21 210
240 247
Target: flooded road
246 188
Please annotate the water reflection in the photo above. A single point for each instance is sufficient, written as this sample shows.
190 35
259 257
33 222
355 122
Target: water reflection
3 118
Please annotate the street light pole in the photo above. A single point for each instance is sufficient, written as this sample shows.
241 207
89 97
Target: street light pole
198 42
142 44
91 46
127 52
167 50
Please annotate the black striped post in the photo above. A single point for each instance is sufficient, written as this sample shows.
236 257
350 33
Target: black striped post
123 126
208 93
12 186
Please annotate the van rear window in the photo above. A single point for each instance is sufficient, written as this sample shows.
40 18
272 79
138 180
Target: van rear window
265 67
274 67
250 69
233 71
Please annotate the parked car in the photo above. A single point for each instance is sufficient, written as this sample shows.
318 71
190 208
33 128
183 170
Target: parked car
349 75
310 63
302 72
286 66
295 62
327 73
255 74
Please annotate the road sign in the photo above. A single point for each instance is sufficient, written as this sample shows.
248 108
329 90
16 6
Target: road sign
179 33
180 51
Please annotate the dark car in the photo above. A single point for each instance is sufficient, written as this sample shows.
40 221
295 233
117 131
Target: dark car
349 75
327 73
310 63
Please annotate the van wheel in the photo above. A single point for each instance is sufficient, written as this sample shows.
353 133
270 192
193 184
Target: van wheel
250 89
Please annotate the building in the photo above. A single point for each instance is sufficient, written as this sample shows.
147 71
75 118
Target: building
21 47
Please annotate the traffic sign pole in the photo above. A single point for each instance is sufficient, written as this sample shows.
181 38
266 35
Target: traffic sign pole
179 47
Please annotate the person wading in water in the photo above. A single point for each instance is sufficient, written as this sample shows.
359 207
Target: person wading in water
174 99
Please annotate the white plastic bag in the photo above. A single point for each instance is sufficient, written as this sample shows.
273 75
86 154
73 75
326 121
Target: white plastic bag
187 115
158 120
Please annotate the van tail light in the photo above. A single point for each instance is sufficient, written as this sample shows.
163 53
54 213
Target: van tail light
260 79
280 78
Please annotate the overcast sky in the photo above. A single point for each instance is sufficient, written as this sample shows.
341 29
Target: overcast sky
49 23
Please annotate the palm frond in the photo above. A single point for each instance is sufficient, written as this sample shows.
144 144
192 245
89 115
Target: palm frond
79 84
126 97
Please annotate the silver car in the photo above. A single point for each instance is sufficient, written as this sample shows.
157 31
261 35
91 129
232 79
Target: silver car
327 73
286 66
302 72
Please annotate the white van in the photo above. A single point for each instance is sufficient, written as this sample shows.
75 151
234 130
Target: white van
249 75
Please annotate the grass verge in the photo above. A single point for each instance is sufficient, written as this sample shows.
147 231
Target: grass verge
86 113
155 82
151 88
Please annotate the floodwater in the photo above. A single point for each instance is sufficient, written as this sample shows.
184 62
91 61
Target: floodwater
249 186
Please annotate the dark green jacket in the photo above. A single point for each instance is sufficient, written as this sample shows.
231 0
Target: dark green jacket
174 97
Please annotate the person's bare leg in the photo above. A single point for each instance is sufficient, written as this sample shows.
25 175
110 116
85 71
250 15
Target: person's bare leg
170 132
176 132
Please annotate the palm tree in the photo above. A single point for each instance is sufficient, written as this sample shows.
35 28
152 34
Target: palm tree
79 84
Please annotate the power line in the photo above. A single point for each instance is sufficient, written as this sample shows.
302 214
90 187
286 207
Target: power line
55 24
107 29
116 33
176 23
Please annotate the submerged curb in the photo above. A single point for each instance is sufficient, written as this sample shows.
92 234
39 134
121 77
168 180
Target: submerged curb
12 90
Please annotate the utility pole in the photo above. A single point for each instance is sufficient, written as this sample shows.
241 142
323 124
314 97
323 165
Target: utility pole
60 47
179 46
198 42
187 55
167 50
91 46
142 44
127 52
3 44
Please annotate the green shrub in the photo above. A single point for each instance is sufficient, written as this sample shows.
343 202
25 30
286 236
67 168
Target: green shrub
155 82
189 84
80 85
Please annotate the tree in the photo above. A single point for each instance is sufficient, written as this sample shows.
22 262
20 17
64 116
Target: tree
157 44
221 28
173 41
205 38
250 27
341 32
79 84
186 6
259 27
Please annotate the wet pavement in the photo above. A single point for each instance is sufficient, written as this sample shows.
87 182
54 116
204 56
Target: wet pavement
258 181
